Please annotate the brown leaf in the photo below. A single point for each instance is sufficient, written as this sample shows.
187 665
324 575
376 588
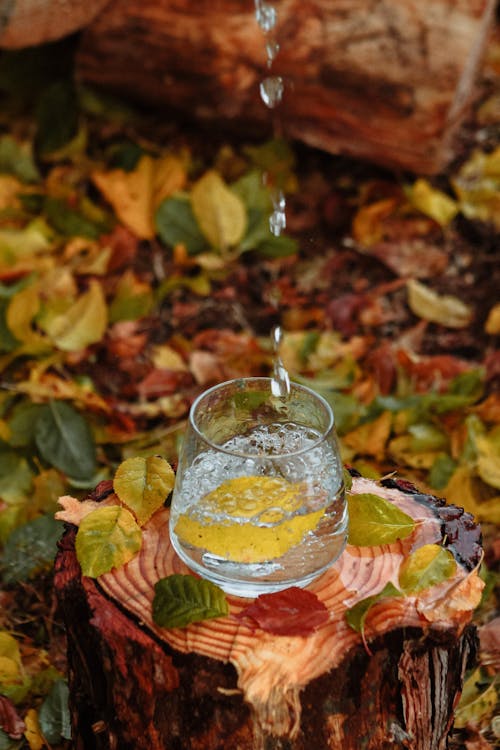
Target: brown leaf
10 721
293 611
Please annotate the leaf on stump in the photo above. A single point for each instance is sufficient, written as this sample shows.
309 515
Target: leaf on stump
107 538
374 520
143 484
427 566
293 611
182 599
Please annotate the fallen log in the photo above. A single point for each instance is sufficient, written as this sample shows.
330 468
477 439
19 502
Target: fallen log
227 683
388 81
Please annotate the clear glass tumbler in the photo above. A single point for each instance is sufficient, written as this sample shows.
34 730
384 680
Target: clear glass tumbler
259 502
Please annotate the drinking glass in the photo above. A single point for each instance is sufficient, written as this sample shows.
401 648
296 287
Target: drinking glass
259 502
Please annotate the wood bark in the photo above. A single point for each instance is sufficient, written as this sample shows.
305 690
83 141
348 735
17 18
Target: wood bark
25 23
225 683
384 80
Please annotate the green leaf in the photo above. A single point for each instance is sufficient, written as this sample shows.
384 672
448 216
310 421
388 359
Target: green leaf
277 247
356 615
57 116
69 222
54 715
143 484
22 423
176 224
30 549
64 440
427 566
479 700
8 341
220 213
107 538
7 744
16 159
15 477
374 520
427 437
181 599
441 471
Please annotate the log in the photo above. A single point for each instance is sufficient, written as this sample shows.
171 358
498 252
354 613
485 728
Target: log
26 23
226 683
389 82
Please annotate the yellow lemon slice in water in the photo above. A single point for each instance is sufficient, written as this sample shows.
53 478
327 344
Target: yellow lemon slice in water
249 519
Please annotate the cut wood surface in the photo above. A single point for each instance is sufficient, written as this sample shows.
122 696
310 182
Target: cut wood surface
385 81
225 683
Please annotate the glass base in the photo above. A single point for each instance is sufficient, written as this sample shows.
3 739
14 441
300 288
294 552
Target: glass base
249 580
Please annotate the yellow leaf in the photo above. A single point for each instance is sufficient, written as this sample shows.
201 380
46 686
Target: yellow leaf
488 461
446 310
32 732
10 188
169 177
477 186
462 491
492 325
84 323
20 315
402 451
143 484
257 500
135 195
433 202
166 358
370 439
107 538
368 224
220 213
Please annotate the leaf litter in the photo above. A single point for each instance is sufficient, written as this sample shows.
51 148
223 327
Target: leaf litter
137 268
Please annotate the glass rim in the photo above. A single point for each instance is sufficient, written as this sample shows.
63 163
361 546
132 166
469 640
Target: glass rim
305 389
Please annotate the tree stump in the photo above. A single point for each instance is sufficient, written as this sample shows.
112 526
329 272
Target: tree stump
225 683
386 81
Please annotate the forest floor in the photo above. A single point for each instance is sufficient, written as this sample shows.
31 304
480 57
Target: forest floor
121 299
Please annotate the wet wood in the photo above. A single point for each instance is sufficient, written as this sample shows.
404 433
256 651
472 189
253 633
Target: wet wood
385 81
225 683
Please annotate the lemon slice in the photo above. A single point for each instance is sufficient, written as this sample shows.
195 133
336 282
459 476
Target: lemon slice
249 519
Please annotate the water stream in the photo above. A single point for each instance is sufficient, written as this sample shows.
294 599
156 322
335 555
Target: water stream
271 93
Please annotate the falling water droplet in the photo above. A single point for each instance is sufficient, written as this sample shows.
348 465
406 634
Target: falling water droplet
271 91
272 49
266 16
280 382
277 220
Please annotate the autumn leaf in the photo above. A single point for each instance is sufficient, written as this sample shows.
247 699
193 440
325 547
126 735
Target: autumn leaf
433 202
81 324
374 520
135 195
427 566
293 611
447 310
144 484
107 538
220 213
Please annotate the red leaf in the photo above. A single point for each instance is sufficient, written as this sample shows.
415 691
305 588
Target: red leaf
293 611
10 721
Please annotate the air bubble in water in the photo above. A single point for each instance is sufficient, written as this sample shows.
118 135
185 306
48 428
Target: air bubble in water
271 91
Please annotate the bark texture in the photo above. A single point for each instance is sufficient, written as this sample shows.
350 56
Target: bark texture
384 80
25 23
225 684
